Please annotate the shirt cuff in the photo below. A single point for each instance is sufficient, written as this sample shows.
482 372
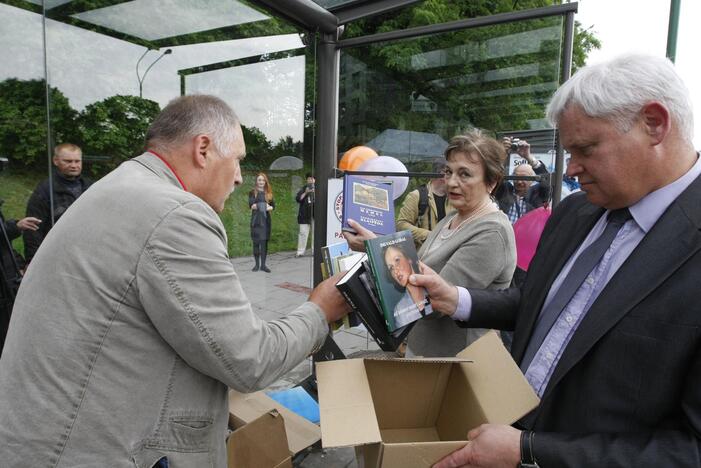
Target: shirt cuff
464 308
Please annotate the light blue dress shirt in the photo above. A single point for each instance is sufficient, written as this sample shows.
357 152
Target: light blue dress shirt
645 214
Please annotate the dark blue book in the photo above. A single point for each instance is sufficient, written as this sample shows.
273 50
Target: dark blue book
368 202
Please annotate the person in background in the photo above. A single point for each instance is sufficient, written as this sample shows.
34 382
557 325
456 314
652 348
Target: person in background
607 326
423 208
522 196
262 204
131 325
67 184
474 245
11 266
305 214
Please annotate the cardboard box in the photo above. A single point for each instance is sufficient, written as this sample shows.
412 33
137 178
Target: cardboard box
262 443
410 413
245 408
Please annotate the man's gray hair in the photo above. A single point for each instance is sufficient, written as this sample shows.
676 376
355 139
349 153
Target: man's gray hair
188 116
617 90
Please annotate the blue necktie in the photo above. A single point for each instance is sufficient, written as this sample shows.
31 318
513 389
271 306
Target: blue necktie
585 263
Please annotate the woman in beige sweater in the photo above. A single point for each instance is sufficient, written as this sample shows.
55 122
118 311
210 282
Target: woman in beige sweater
472 247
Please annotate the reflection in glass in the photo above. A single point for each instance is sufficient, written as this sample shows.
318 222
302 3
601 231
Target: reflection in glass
406 98
158 19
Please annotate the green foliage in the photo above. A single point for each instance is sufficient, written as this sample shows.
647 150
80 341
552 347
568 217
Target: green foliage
584 42
23 121
115 128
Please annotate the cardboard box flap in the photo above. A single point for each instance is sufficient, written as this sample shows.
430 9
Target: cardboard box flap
246 407
503 392
261 443
417 455
345 404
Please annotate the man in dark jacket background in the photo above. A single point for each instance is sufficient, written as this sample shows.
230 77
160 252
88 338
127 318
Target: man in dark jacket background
305 198
522 196
11 265
67 185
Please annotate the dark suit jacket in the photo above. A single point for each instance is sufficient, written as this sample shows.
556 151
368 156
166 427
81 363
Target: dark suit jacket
627 390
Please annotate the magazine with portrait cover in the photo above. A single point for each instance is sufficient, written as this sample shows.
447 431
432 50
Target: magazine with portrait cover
392 259
368 202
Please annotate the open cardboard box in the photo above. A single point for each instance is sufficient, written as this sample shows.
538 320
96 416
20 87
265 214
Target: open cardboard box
261 438
410 413
262 443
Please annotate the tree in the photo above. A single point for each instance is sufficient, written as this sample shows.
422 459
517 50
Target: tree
115 128
23 121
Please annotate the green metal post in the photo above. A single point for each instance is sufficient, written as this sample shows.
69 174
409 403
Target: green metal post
673 29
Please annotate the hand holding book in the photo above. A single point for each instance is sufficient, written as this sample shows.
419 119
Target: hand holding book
444 296
356 240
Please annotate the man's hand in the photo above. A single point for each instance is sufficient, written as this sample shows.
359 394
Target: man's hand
357 241
524 150
444 296
489 445
28 224
329 299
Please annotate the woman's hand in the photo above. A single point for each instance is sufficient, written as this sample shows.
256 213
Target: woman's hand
357 241
254 206
269 207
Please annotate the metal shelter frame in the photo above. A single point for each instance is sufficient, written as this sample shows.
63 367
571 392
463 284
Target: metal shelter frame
328 23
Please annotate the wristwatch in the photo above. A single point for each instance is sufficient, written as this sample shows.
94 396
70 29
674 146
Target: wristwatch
527 458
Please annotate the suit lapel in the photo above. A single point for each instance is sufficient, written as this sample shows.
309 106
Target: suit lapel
671 241
552 255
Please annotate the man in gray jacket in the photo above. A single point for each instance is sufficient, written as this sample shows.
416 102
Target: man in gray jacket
123 355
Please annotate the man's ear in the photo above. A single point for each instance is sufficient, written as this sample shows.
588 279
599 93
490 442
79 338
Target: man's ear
202 150
656 121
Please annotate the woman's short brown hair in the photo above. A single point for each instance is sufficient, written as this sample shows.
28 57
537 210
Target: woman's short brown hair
486 149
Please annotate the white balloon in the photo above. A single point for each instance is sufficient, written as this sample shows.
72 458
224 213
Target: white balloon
388 164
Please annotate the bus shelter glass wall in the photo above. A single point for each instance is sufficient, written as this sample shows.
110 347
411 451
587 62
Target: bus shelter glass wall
23 111
111 68
407 98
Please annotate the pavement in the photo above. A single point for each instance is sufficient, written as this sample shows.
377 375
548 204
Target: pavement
275 294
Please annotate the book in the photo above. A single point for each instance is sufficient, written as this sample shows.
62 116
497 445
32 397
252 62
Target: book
368 202
366 310
346 262
392 259
330 252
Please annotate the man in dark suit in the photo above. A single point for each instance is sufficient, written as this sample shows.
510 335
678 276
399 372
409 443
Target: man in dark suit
607 328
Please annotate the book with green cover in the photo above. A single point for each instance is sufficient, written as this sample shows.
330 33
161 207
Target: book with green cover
392 259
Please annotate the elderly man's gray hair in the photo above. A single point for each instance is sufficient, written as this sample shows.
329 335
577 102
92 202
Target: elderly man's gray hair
617 90
188 116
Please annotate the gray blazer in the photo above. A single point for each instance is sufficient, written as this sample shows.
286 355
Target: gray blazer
128 328
482 254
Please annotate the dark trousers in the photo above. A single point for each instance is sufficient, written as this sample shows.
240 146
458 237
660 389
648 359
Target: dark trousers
260 252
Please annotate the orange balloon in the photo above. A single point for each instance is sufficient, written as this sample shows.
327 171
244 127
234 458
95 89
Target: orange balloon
355 157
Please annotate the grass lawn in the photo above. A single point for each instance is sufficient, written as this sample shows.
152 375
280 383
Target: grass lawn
15 189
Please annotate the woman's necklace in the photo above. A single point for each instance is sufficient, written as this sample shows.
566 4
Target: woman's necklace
485 208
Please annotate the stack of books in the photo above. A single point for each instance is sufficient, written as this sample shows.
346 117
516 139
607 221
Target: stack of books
377 288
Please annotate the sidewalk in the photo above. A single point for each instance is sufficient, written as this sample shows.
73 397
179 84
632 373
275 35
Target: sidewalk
274 295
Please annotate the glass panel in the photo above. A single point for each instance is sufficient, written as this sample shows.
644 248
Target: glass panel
270 100
407 98
183 17
23 119
107 82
